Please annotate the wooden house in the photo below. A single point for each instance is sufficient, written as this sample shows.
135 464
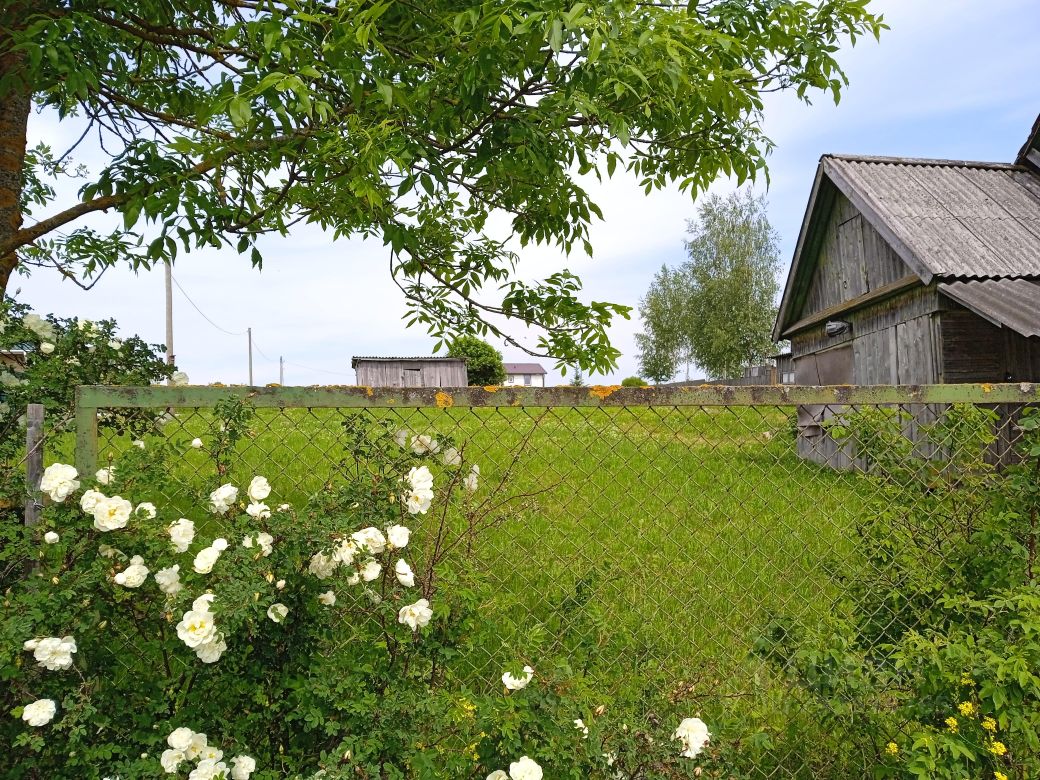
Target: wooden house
524 375
410 371
915 271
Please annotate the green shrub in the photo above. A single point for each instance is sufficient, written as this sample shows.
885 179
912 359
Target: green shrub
323 640
932 665
634 381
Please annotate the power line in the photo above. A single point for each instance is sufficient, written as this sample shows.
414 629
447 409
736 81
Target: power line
319 370
201 312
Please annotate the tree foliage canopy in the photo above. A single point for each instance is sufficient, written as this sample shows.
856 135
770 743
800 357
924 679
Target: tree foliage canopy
483 362
415 122
717 308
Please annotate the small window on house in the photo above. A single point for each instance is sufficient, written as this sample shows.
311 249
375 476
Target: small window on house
527 379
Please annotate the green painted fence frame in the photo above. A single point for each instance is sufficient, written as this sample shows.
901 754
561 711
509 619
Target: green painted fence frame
91 398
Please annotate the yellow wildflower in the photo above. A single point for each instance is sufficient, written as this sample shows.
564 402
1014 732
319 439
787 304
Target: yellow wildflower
892 748
999 776
966 680
989 724
951 725
967 709
997 748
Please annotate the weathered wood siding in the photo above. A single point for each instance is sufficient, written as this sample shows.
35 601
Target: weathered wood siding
411 373
854 260
976 350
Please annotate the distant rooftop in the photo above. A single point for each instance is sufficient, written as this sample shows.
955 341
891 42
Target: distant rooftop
393 359
523 368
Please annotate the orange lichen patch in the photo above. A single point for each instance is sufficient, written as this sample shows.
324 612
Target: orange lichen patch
603 392
444 400
369 391
987 387
491 388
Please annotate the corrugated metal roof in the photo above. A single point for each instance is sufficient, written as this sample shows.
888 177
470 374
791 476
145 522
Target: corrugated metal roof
523 368
956 219
1012 303
422 358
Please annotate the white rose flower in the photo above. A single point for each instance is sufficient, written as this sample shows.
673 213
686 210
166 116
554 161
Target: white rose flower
345 552
51 537
284 507
258 511
147 510
418 502
203 602
38 325
40 712
266 542
401 438
208 769
579 724
169 580
322 566
139 443
59 481
115 344
196 443
472 480
89 500
259 489
416 615
242 767
518 683
328 598
220 544
525 769
52 653
181 534
277 612
420 478
397 536
247 541
404 573
423 444
222 499
210 652
171 759
205 560
498 774
179 378
451 457
105 476
354 579
370 570
280 585
197 627
370 539
112 513
180 738
134 575
46 348
693 733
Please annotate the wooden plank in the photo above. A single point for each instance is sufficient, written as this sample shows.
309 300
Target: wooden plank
92 398
896 287
34 416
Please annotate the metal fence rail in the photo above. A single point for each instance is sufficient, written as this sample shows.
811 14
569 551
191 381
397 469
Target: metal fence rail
669 527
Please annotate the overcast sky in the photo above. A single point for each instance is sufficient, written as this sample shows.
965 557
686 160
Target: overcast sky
951 79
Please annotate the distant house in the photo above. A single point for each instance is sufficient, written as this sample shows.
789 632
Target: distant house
916 271
14 358
524 375
410 371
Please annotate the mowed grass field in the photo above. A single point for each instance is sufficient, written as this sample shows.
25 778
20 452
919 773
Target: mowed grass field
667 537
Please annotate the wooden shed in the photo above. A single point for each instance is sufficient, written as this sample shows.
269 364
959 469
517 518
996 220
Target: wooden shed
914 271
410 371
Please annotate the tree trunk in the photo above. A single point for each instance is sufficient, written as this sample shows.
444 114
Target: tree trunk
15 104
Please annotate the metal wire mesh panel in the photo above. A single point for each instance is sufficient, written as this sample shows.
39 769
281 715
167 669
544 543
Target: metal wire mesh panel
681 539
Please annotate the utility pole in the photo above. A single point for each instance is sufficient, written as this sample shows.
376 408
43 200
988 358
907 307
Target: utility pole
281 370
249 333
169 315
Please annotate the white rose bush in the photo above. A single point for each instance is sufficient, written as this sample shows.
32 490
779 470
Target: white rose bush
343 638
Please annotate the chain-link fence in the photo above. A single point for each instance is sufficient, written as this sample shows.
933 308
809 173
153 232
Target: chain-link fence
680 532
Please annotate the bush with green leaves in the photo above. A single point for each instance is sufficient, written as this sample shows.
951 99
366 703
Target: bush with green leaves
341 639
484 364
634 381
931 666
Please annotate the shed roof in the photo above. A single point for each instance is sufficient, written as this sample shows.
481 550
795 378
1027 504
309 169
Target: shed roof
523 368
947 219
421 359
1014 303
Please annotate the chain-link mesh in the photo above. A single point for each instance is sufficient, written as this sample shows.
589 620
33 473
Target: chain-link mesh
674 537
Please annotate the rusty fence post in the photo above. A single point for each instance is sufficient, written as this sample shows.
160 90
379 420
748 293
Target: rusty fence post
33 462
